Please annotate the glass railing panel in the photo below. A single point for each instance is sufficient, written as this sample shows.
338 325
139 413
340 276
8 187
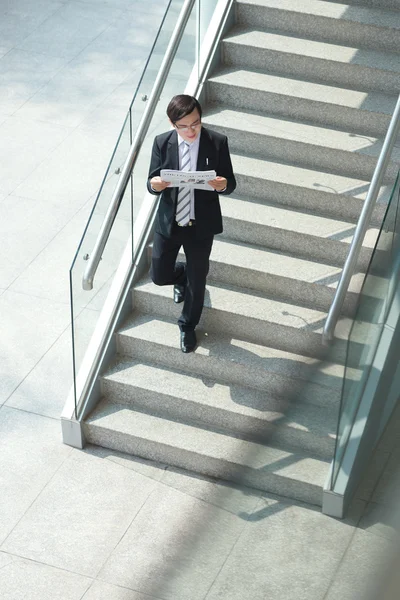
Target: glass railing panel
157 54
87 304
178 77
205 12
374 301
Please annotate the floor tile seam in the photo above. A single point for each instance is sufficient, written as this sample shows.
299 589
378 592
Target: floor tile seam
35 52
153 491
34 367
5 196
66 64
58 71
69 130
390 538
16 47
367 495
88 589
287 502
239 537
50 152
135 590
44 564
391 505
9 562
119 13
34 296
112 92
33 200
46 55
92 108
18 184
383 503
105 5
139 510
52 14
7 53
149 53
202 500
134 470
41 120
14 113
46 246
37 363
379 479
30 412
90 309
34 501
144 594
24 196
334 574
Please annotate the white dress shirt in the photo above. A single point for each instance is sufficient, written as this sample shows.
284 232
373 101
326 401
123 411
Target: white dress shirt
193 153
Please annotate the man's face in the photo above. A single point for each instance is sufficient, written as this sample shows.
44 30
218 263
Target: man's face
189 127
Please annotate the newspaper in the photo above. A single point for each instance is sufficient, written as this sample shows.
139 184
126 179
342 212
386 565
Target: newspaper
191 179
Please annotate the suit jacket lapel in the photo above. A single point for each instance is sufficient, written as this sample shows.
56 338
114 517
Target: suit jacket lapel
173 160
202 155
173 151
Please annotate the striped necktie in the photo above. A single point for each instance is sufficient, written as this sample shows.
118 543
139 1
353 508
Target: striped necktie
183 204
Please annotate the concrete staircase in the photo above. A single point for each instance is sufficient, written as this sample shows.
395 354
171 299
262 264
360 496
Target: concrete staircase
305 93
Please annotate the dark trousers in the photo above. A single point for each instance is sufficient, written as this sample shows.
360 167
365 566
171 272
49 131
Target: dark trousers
166 271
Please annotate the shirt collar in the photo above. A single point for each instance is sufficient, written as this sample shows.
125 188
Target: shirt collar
191 144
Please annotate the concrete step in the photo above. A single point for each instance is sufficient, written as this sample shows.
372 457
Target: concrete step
291 279
317 61
279 275
250 316
326 194
301 234
362 113
305 144
292 474
387 4
284 375
357 26
232 409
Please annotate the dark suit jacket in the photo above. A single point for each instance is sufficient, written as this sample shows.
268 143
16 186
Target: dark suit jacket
214 147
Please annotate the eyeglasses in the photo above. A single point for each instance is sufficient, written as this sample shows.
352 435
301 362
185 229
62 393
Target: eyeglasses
186 128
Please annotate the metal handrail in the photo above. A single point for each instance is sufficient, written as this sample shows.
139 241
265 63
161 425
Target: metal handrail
101 241
362 225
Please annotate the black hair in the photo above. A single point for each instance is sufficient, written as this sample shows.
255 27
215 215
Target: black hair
182 105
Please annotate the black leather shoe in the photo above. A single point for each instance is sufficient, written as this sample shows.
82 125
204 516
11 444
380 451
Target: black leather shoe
179 293
188 341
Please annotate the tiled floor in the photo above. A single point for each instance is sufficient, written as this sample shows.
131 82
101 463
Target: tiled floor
92 524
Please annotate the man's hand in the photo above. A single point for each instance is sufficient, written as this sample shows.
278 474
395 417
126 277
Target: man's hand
158 184
219 183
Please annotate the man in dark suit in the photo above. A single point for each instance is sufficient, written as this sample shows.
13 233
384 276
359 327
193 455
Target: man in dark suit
188 218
